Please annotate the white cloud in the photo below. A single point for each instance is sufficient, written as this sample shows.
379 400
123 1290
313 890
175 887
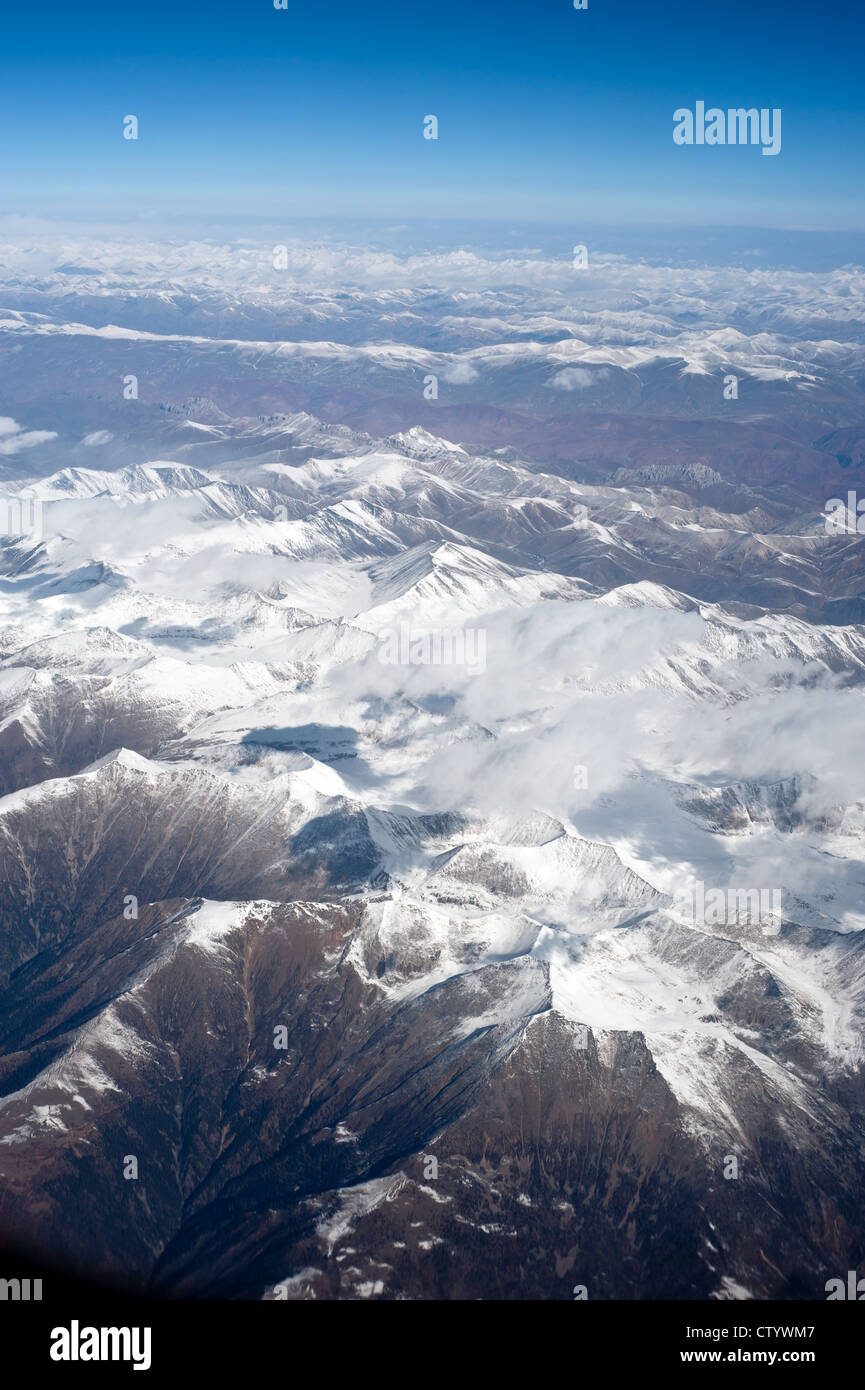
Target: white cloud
13 438
577 378
460 374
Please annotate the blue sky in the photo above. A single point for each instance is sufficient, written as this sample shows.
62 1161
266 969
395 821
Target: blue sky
544 112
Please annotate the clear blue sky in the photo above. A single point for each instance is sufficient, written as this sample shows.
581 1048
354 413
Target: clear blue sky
317 111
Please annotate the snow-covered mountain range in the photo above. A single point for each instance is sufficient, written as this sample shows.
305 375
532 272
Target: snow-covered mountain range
362 768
